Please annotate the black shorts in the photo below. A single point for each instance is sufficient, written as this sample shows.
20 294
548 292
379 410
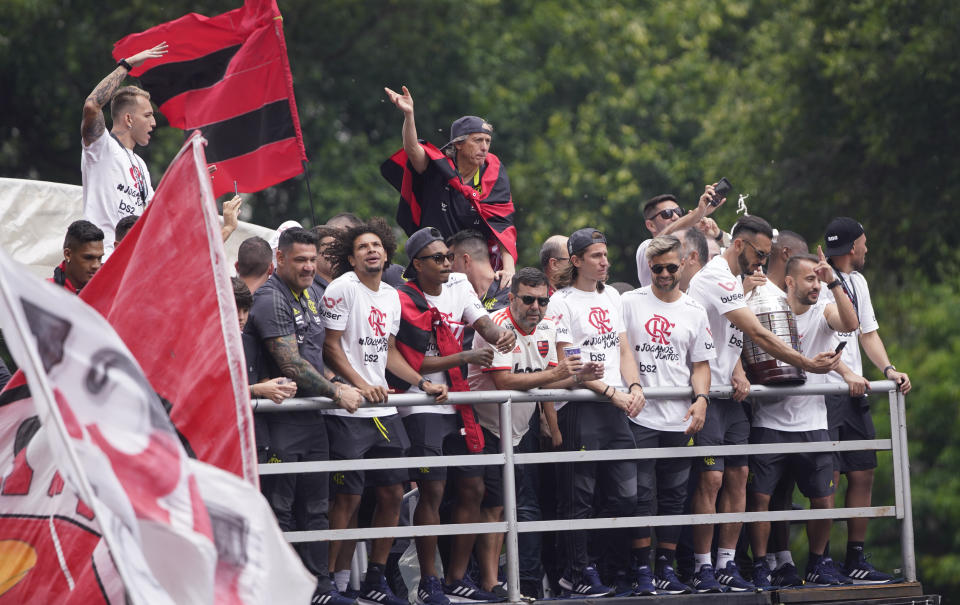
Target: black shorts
353 438
812 470
492 474
726 424
433 434
849 419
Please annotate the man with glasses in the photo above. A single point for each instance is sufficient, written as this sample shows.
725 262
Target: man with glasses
663 215
671 343
719 289
554 259
531 364
436 306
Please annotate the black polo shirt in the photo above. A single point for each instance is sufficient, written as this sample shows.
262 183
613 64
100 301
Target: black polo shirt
277 312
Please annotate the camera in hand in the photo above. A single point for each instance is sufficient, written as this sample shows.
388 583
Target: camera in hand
721 189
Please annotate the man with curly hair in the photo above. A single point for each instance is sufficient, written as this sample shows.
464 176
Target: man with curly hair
362 316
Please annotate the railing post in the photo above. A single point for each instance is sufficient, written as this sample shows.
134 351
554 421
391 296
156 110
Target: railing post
906 526
510 502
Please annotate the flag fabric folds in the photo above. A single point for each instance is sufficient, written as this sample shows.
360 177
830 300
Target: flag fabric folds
166 292
229 77
178 530
423 201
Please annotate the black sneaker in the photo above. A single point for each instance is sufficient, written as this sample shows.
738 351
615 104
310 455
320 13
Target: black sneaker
589 585
761 576
331 597
786 576
730 578
861 572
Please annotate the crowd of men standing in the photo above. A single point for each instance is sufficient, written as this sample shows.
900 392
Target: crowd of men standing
324 313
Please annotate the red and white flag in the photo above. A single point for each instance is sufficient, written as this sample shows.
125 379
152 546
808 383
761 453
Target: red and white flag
178 530
166 291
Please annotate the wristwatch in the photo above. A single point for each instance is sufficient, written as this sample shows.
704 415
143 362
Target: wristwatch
123 63
698 396
420 384
888 368
833 284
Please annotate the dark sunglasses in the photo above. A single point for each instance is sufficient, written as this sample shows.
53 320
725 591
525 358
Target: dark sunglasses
438 257
666 214
761 256
528 300
671 268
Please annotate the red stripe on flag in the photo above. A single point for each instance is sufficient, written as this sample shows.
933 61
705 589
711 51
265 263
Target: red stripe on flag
237 93
266 166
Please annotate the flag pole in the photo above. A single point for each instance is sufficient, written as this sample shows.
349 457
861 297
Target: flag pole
306 178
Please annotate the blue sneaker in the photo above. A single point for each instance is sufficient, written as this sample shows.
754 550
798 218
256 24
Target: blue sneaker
836 571
730 578
589 585
376 591
823 574
705 580
667 582
430 592
644 585
331 597
786 576
761 576
465 591
861 572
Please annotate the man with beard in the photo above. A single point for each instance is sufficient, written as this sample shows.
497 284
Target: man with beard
82 256
718 288
589 317
849 416
362 315
437 305
532 364
285 319
801 419
669 334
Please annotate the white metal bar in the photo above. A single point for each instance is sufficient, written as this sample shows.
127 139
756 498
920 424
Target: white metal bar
298 404
510 502
906 527
317 466
897 455
587 524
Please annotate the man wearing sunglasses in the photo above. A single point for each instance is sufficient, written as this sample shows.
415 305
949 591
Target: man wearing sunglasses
531 364
663 215
437 304
669 332
719 289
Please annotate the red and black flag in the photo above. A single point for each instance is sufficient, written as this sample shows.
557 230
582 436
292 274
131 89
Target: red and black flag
422 197
228 76
419 323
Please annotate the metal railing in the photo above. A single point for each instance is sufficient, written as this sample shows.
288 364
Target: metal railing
896 444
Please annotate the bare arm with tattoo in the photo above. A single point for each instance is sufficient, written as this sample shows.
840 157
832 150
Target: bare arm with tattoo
309 381
93 126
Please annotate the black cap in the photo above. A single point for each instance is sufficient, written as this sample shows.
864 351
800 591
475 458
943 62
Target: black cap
417 242
581 238
467 125
841 233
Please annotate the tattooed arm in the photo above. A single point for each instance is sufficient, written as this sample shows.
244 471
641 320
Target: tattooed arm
92 127
309 381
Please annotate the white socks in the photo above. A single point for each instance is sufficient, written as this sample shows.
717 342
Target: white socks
700 561
725 555
342 579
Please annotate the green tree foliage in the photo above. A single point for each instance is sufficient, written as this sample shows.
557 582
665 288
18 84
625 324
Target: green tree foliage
813 108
